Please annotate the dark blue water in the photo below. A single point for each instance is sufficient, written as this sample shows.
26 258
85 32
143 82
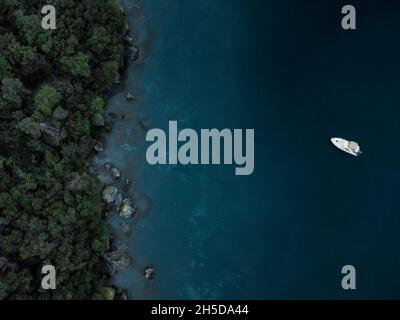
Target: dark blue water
288 70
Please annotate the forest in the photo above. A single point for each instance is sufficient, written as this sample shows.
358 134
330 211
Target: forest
53 89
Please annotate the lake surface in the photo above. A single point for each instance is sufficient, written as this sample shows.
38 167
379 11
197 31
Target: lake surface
288 70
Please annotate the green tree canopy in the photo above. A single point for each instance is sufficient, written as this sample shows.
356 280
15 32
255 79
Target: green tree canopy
46 99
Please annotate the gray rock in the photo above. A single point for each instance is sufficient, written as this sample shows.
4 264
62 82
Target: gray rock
134 53
121 9
134 49
149 273
119 201
111 195
127 209
129 40
98 147
126 29
115 173
117 260
117 80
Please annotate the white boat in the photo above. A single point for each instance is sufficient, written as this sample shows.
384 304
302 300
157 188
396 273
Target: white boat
347 146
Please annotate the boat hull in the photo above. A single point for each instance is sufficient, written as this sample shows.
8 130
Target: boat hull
343 145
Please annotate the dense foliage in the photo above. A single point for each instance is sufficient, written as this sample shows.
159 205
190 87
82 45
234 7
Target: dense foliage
52 86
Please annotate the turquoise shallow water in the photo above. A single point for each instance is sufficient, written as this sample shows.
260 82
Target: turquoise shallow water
287 70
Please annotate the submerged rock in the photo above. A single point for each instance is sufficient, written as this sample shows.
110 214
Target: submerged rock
127 184
144 124
117 260
126 229
108 125
118 115
127 209
105 179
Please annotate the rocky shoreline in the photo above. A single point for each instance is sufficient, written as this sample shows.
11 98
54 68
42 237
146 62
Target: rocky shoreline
116 194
